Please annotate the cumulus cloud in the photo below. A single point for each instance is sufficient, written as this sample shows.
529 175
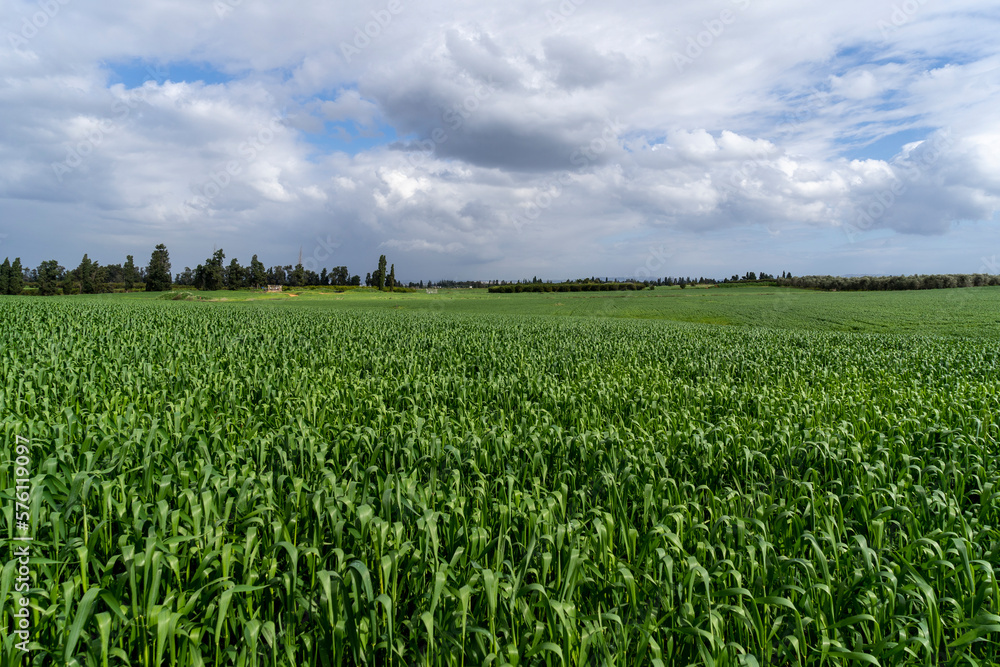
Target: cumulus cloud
487 139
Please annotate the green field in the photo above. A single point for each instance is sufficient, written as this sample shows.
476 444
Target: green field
747 476
964 312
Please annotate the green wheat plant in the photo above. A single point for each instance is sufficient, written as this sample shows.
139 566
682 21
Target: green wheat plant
234 484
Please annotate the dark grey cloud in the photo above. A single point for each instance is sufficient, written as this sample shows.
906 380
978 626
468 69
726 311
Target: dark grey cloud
578 64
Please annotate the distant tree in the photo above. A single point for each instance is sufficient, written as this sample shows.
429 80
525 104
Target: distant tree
113 273
323 280
128 273
70 281
368 279
5 276
85 275
234 275
158 271
49 273
298 276
214 273
380 278
340 276
392 277
257 276
355 281
276 276
15 282
198 279
99 279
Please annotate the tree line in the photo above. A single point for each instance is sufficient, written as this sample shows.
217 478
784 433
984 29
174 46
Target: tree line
215 274
575 286
89 277
891 283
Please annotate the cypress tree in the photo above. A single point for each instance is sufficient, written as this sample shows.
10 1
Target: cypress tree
5 276
15 281
158 272
128 273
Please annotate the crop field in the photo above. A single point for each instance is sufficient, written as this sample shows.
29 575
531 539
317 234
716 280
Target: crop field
713 477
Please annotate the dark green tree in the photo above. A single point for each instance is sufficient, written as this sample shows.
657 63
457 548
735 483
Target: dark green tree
185 277
380 277
99 279
84 275
5 276
214 271
392 277
297 277
49 273
70 281
234 275
15 283
158 271
198 281
339 276
128 273
276 276
258 275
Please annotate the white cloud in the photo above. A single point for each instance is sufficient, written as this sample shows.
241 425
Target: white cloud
517 135
857 85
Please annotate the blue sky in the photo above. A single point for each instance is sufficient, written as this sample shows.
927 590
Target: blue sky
506 140
136 72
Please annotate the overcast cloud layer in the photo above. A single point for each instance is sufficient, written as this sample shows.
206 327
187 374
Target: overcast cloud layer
505 140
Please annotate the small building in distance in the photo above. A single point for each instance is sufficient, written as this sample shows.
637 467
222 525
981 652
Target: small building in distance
271 288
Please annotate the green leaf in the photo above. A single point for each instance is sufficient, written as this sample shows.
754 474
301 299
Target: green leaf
80 619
